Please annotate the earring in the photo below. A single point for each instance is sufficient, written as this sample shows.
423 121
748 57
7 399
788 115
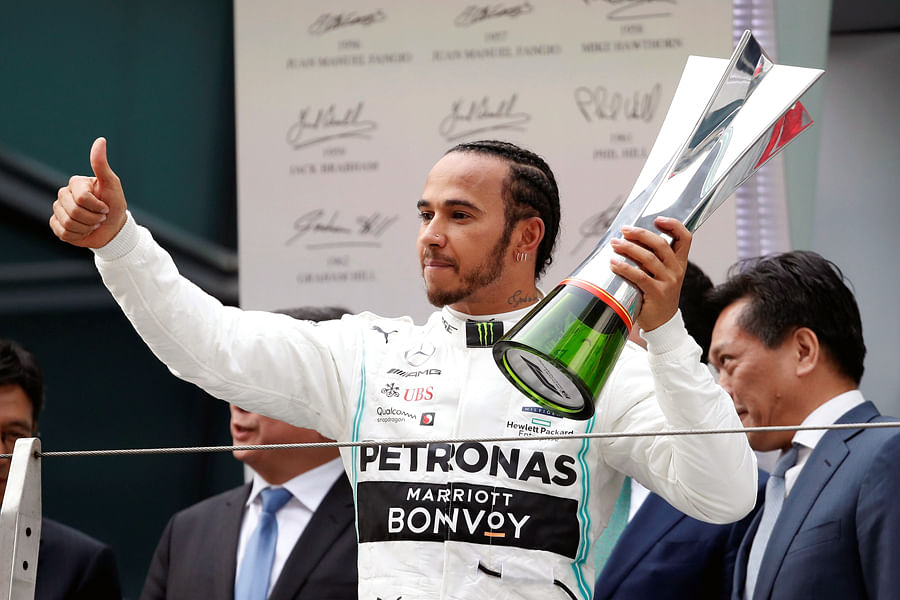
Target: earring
521 256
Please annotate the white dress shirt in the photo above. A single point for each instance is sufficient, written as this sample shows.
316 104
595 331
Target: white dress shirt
826 414
638 494
307 490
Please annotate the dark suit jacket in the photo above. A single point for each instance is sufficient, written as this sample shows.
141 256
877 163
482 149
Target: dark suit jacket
195 558
838 534
663 553
73 566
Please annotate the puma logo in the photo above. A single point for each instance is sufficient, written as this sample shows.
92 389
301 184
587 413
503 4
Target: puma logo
386 334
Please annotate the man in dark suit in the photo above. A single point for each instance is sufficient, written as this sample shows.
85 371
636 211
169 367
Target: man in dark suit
71 565
663 553
202 550
74 566
789 348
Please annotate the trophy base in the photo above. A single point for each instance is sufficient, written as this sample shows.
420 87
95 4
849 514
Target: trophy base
562 360
546 381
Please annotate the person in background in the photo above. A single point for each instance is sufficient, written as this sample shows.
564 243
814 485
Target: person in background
789 348
207 550
661 552
71 565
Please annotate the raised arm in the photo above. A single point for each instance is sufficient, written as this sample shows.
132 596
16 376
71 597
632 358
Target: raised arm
268 363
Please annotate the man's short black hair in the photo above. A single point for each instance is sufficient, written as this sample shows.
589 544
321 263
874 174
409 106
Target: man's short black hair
19 367
699 319
529 190
797 289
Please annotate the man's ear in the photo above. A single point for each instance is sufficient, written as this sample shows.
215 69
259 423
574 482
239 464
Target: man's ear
807 351
530 232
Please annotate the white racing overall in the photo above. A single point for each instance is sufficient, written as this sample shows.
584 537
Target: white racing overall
510 520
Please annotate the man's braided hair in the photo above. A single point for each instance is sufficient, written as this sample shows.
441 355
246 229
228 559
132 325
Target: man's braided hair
529 190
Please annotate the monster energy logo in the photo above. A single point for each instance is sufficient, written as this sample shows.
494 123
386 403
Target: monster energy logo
483 334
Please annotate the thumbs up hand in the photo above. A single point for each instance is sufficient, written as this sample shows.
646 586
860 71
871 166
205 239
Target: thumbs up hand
90 211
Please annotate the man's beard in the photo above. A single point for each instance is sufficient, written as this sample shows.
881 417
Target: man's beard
485 273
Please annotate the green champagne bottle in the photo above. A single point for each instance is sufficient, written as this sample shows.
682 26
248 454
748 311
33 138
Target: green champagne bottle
562 359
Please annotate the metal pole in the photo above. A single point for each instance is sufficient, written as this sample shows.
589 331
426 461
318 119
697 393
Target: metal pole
20 522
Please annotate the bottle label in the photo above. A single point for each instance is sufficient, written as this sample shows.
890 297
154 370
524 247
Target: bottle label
604 296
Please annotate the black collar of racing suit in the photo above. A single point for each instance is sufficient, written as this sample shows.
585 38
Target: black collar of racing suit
480 331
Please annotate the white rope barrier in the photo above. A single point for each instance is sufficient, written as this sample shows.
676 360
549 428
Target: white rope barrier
383 442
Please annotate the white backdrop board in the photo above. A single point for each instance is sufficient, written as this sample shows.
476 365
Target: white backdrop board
343 107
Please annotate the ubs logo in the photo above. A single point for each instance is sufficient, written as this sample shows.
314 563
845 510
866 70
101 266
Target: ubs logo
418 355
419 393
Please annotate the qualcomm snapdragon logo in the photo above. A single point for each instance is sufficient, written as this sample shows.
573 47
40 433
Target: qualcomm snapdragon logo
394 415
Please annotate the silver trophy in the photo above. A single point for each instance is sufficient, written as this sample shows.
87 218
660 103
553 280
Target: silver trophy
726 120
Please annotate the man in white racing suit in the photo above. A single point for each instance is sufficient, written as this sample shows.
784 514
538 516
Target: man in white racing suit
473 520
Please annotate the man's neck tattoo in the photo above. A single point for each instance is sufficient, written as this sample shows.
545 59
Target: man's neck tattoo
520 299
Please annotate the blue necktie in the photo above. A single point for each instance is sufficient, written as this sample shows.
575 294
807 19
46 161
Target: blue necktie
604 545
256 568
775 493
